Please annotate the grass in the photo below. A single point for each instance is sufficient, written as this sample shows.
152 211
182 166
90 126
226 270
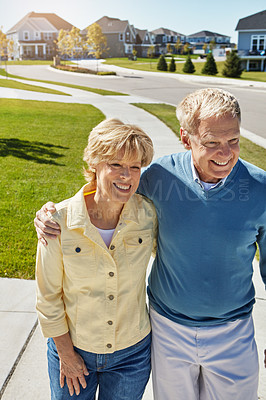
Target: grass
41 149
145 64
31 62
9 83
102 92
249 151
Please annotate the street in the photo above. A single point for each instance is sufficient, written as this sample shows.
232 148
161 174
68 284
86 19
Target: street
167 88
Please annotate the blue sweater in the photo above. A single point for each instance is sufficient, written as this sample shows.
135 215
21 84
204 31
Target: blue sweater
202 273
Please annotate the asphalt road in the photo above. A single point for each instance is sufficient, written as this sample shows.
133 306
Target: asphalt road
166 89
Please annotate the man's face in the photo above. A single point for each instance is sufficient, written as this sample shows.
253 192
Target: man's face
214 147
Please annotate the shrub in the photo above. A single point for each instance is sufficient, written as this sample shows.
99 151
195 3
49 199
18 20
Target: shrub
232 66
172 66
210 67
188 66
106 73
162 64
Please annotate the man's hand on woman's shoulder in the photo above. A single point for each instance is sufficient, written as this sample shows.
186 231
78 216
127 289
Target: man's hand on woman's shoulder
45 227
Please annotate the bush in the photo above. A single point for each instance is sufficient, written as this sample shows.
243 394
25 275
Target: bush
232 66
210 67
74 69
162 64
188 66
106 73
172 66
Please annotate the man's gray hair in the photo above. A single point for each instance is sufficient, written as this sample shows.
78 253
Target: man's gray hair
206 103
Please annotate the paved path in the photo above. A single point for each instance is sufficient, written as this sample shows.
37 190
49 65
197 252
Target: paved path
23 369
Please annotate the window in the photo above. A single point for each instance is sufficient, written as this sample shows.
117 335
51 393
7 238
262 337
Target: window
49 50
261 43
48 35
26 35
121 37
37 35
258 43
253 66
254 43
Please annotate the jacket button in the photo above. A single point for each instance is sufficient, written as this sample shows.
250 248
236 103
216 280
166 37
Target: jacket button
112 247
110 322
77 249
140 240
111 274
111 297
109 345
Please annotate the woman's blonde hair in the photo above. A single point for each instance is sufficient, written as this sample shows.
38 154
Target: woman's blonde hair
206 103
111 136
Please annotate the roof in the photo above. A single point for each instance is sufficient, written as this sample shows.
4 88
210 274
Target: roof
141 32
165 31
252 22
206 34
110 25
54 20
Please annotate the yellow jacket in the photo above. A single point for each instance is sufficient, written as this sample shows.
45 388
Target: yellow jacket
96 293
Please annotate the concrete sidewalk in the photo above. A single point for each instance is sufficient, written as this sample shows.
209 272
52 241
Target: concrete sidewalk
23 368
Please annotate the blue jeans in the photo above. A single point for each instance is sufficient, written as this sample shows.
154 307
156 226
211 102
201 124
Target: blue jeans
122 375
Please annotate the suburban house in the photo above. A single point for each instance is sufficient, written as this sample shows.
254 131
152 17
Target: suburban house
143 41
34 35
162 36
120 36
202 39
252 41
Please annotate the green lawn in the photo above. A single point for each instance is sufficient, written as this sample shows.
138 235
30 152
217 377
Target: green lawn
9 83
145 64
41 151
248 150
31 62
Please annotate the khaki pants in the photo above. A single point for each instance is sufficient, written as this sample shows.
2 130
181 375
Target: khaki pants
208 363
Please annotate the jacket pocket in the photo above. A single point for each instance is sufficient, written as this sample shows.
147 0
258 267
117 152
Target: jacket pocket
79 259
138 247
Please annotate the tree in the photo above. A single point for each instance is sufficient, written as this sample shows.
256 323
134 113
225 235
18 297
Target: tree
232 66
63 43
6 48
212 44
178 46
134 53
209 67
96 40
188 66
169 48
186 48
172 66
75 42
204 47
162 64
151 53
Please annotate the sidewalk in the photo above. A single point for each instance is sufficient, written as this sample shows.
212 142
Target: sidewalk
23 369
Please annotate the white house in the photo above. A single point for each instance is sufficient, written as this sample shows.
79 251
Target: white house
34 35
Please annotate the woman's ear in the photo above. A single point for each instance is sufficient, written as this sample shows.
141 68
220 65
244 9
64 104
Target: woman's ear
92 169
185 139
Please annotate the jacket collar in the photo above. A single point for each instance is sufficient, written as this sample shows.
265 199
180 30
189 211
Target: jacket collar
77 215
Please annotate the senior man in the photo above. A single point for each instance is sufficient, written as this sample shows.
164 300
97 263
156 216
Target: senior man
211 212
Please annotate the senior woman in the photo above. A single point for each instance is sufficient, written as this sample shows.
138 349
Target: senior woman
91 297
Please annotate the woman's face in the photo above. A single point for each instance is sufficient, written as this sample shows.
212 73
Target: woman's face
117 179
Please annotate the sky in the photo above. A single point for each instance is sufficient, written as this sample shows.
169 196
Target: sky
186 17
